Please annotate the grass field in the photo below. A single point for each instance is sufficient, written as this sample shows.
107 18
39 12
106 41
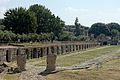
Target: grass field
109 71
76 58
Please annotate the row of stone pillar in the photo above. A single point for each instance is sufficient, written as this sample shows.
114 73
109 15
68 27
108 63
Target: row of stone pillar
37 52
56 49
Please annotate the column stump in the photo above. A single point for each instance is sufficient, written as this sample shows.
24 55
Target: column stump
51 63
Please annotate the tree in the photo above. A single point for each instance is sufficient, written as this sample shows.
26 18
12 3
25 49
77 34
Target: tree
1 24
115 34
2 27
20 20
77 27
67 36
112 26
1 35
46 21
1 21
99 28
56 26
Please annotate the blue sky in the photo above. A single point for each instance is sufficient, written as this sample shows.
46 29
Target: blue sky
88 11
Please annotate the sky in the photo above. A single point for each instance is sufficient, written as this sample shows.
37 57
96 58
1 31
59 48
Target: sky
87 11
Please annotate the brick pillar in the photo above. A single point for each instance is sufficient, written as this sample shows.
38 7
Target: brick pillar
55 49
85 46
58 49
52 49
21 59
64 49
39 52
69 48
88 45
75 47
82 46
27 53
45 51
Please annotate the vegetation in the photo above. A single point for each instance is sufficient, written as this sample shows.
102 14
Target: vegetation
111 30
77 58
46 21
109 70
38 23
20 20
34 24
99 28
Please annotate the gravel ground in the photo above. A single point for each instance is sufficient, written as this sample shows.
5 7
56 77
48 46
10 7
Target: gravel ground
33 74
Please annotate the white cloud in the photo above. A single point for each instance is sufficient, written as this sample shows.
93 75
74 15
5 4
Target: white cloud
71 9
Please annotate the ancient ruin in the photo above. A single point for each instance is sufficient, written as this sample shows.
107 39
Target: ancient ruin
22 53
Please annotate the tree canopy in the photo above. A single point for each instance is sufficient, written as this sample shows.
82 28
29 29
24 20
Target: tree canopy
112 26
77 27
46 21
99 28
20 20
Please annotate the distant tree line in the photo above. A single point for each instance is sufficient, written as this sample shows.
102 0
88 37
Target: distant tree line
76 32
111 30
98 31
36 23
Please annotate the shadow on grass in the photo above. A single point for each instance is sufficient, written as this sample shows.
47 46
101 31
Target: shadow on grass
45 72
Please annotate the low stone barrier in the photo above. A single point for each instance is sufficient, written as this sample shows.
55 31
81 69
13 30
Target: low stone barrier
22 53
10 54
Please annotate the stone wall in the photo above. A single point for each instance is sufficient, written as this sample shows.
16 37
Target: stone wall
10 54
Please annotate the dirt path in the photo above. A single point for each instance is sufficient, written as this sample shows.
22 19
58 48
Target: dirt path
31 75
90 64
3 74
96 62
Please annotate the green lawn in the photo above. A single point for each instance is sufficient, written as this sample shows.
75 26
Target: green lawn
109 71
78 57
114 64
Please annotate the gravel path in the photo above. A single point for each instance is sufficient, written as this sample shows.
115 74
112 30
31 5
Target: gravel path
31 75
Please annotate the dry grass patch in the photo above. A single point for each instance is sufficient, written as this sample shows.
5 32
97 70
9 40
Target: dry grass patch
79 57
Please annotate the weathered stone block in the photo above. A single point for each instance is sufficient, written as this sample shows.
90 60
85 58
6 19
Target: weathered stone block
51 62
21 59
